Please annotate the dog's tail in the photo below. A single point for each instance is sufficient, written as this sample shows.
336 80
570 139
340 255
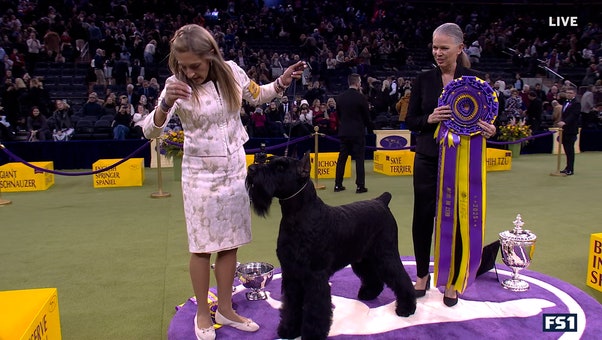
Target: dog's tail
385 198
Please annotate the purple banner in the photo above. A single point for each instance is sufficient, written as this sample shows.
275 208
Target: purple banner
446 214
461 181
476 195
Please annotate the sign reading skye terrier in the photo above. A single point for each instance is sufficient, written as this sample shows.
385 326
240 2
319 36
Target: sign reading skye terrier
316 240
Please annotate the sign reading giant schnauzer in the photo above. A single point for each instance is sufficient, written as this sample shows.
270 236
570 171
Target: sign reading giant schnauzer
461 184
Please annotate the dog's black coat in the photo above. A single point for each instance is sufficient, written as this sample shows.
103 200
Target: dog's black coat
316 240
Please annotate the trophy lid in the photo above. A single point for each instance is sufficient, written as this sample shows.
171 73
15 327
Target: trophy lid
518 234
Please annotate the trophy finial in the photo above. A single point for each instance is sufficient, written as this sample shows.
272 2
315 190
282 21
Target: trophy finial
518 224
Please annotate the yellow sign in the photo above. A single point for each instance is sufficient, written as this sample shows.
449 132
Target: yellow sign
327 165
401 162
499 160
15 177
30 314
394 162
127 174
594 263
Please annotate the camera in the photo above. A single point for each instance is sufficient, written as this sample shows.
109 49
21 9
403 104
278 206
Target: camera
261 156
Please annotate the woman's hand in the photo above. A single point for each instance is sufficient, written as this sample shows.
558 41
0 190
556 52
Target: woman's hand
292 72
487 130
175 90
440 114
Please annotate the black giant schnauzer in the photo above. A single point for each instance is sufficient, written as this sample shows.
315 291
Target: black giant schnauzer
316 240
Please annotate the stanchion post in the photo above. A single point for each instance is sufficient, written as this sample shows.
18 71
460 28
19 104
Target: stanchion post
557 172
316 163
160 193
3 201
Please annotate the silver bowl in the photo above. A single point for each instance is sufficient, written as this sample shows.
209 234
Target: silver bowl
255 276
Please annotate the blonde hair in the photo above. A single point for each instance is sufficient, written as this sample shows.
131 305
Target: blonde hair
331 100
20 83
386 85
197 40
455 32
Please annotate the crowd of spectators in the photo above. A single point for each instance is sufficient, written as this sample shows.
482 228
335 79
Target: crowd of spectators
125 44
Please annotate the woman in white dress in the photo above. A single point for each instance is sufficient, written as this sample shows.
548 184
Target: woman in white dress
206 92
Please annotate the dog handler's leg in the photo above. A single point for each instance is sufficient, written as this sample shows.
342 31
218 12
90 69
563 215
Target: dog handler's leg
199 275
225 266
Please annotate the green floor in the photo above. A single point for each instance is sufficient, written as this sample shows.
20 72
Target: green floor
119 257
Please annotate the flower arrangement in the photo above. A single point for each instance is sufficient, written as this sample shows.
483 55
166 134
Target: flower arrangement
514 130
172 143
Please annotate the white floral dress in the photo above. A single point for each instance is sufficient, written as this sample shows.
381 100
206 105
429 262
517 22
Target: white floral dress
216 202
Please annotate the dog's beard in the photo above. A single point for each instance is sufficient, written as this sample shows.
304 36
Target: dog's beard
260 195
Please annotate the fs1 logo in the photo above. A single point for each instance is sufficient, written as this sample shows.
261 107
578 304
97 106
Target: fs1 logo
560 322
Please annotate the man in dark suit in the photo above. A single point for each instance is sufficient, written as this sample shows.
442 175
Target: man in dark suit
147 90
354 118
284 106
534 111
571 109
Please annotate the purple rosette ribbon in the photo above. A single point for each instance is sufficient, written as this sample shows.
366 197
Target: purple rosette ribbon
470 99
461 184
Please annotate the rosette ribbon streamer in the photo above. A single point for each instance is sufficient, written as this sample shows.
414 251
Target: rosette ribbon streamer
461 184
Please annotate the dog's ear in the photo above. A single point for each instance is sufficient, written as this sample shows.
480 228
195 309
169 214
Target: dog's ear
304 167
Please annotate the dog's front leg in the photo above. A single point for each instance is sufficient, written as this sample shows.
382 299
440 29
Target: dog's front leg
317 306
291 308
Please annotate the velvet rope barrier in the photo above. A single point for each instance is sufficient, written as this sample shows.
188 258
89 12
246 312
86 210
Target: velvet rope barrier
522 140
63 173
281 145
12 156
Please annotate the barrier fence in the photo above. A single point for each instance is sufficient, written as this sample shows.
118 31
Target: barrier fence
269 149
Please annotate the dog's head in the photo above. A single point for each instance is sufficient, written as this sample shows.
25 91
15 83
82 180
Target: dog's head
279 177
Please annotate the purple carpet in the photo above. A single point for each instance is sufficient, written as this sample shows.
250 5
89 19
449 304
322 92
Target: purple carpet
484 311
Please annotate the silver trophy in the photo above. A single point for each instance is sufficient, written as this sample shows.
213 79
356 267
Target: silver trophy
517 248
255 276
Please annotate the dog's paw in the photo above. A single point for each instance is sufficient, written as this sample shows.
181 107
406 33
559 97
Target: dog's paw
367 293
405 309
288 337
285 333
